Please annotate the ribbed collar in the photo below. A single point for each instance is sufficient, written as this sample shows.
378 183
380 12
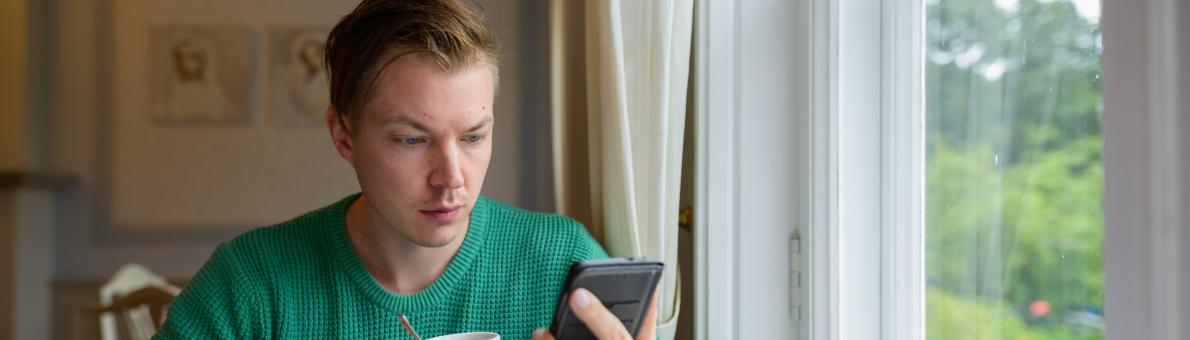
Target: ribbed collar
351 266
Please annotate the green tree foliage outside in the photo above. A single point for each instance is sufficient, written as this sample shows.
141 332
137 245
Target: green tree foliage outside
1014 223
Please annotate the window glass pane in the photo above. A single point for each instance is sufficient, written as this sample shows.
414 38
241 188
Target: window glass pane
1014 227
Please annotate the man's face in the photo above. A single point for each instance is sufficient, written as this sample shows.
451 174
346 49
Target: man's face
422 146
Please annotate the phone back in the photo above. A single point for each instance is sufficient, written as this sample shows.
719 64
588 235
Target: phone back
624 285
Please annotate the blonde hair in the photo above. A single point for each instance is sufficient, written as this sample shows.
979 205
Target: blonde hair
378 32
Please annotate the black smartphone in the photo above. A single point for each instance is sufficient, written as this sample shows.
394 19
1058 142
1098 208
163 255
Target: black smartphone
625 285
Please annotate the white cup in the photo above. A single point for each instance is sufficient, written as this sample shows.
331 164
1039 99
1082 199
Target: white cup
469 336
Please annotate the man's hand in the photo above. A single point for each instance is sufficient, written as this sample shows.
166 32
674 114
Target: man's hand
601 321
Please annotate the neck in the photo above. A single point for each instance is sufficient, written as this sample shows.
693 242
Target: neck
396 263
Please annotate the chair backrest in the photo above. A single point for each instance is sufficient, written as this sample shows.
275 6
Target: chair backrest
139 298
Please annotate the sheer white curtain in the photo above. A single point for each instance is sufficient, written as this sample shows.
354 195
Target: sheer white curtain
627 82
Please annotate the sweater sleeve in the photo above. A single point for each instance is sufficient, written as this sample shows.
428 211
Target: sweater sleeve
585 246
221 302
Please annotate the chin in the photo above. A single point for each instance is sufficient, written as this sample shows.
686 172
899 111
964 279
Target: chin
434 243
438 236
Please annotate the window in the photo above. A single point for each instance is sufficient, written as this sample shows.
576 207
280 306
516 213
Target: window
1013 177
946 167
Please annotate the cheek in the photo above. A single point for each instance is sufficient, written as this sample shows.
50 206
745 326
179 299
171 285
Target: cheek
391 167
480 155
479 166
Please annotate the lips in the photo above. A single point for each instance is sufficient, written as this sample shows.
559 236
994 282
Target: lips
445 213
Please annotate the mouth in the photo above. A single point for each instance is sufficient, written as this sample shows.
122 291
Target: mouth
444 213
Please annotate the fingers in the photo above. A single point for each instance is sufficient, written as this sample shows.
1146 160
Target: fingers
542 334
602 323
648 330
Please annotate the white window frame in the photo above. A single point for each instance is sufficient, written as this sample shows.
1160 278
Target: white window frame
903 159
881 173
752 104
848 276
1146 236
715 288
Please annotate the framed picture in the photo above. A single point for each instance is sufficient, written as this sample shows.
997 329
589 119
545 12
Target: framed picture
201 75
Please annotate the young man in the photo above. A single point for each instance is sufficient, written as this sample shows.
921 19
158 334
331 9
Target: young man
412 86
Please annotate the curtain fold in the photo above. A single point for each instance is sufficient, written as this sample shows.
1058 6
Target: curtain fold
624 88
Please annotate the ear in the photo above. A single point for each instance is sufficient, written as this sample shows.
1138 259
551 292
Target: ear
343 140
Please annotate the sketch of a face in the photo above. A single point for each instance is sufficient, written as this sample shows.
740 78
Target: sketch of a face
201 75
310 53
190 61
301 94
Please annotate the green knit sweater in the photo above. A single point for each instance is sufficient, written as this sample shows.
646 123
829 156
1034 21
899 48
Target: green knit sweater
302 280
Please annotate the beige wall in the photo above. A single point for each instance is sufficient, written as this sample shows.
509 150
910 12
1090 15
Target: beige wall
198 175
26 261
14 15
33 262
7 263
24 221
503 181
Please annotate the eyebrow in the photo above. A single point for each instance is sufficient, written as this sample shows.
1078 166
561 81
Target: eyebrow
483 123
403 120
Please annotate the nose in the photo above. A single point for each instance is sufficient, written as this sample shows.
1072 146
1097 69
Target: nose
448 171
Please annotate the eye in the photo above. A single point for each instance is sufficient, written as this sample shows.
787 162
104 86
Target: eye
412 140
473 139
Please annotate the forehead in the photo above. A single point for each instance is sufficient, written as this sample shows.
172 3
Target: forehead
416 87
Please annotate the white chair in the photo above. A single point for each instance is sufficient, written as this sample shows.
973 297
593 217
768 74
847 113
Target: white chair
139 298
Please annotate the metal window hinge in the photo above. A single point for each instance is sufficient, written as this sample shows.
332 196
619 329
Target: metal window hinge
795 277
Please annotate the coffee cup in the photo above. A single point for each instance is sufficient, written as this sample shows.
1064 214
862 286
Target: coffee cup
469 336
